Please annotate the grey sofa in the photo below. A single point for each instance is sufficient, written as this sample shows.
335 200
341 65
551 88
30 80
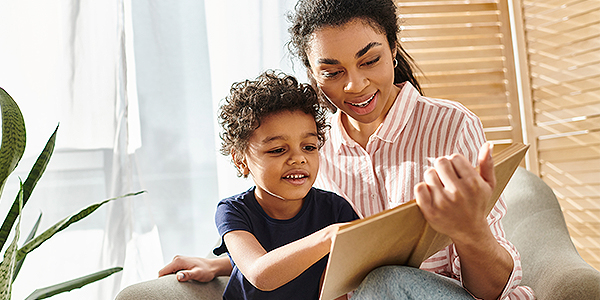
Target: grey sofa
534 223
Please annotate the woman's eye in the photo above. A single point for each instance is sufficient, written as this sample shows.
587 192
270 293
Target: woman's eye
329 75
371 62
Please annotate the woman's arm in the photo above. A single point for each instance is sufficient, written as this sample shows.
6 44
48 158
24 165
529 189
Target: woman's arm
453 199
270 270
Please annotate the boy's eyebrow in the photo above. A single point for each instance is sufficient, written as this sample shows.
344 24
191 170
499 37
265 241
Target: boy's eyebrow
272 138
281 137
361 52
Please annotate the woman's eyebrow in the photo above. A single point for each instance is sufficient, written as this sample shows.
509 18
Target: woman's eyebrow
366 49
361 52
328 61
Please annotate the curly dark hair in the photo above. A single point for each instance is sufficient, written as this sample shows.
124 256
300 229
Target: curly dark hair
312 15
251 101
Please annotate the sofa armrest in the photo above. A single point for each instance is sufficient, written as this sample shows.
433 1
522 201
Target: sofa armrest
168 287
536 226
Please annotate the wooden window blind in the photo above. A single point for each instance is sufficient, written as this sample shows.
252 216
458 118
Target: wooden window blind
563 51
464 51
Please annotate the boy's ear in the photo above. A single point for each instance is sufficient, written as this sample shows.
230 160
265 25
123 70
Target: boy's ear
240 162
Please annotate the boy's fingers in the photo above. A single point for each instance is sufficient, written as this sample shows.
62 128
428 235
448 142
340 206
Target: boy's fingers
183 276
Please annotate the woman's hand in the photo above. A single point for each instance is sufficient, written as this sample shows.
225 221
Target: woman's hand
455 195
454 200
197 268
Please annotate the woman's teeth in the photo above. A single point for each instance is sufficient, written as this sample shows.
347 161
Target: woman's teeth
363 104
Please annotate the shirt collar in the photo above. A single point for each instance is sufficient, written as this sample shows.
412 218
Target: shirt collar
399 114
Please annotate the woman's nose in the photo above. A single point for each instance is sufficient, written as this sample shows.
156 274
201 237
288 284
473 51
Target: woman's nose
356 82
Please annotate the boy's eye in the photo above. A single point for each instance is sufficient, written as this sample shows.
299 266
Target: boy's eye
276 151
310 148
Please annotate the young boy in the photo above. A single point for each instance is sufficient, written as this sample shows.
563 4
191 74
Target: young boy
278 233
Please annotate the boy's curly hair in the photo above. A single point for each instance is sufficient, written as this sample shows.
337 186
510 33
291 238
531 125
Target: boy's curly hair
250 101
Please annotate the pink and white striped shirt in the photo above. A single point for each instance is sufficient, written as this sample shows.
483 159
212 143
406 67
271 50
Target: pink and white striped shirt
382 175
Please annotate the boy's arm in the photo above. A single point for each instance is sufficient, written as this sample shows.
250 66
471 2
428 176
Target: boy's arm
270 270
197 268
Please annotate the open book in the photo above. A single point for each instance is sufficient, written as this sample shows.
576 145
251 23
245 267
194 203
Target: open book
397 236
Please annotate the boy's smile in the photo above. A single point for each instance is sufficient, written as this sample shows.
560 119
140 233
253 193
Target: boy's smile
282 157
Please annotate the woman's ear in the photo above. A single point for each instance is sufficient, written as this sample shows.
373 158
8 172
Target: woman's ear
240 162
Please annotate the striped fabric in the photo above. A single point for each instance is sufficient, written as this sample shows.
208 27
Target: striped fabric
416 131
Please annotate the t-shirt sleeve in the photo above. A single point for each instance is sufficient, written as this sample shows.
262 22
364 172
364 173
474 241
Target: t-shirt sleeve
346 212
230 216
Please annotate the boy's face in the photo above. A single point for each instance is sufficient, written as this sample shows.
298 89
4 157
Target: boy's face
282 157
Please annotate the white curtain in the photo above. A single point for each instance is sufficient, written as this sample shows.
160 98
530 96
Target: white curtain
135 86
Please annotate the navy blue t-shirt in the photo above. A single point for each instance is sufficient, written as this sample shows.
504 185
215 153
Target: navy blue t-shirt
242 212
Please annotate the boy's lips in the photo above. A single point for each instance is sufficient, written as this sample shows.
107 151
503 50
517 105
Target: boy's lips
296 177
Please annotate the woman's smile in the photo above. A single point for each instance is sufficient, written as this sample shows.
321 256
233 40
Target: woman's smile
364 107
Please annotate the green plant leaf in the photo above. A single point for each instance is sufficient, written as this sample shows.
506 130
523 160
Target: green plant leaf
8 263
64 223
32 178
13 136
29 238
71 284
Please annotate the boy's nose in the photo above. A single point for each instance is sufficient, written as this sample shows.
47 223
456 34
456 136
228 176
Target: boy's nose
297 159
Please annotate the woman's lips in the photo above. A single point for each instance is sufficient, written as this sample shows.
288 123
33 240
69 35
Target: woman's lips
364 107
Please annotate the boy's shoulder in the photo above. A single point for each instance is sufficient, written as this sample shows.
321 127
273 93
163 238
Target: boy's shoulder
243 198
328 195
331 198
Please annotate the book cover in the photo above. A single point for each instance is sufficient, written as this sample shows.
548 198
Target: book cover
397 236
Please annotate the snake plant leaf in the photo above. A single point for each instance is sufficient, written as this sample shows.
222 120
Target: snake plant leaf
32 178
64 223
8 263
13 136
29 238
71 284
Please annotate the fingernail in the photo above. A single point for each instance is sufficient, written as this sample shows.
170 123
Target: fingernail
491 145
180 276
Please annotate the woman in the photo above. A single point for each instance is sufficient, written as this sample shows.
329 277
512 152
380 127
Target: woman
388 144
385 139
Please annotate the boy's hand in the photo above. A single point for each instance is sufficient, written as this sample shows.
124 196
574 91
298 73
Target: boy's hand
197 268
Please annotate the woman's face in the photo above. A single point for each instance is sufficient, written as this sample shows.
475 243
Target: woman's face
353 66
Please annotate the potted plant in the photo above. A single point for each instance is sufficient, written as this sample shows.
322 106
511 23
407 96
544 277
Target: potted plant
11 151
